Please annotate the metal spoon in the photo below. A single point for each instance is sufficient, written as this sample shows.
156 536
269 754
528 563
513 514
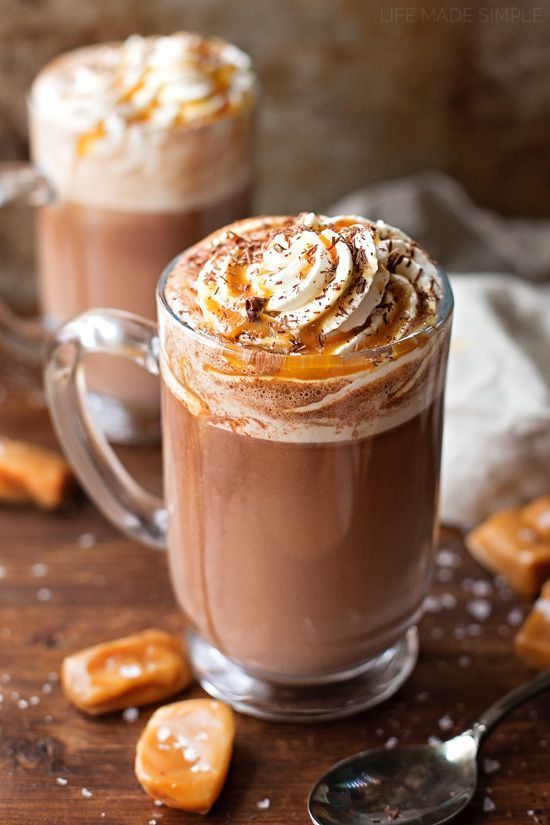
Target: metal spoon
421 784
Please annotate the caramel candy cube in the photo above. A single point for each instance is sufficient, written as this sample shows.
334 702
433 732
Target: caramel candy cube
506 544
536 517
33 474
533 639
11 492
135 670
183 755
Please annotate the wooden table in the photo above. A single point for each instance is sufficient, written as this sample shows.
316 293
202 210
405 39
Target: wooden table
69 580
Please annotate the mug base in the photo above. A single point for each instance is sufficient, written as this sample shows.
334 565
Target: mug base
123 425
377 680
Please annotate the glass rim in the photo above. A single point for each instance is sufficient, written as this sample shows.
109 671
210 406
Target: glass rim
444 312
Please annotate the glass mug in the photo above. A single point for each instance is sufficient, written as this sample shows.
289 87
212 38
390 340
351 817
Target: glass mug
300 567
111 215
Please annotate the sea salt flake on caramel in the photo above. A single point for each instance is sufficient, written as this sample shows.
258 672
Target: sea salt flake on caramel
183 755
513 543
29 473
129 672
532 642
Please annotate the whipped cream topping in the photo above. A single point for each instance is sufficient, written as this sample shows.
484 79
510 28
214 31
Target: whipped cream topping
163 81
309 284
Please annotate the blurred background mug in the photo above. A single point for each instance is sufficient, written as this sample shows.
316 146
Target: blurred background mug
139 149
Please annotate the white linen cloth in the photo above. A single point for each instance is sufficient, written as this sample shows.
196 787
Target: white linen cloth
496 450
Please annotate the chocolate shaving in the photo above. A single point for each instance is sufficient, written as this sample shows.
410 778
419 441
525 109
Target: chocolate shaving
253 307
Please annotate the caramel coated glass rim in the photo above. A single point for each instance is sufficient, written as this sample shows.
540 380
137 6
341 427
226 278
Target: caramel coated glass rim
444 312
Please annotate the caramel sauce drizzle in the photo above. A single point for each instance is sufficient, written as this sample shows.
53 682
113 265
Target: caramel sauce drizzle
221 78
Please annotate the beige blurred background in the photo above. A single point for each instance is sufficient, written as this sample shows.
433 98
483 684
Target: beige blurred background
354 91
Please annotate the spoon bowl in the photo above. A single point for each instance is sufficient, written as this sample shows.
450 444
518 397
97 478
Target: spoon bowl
416 784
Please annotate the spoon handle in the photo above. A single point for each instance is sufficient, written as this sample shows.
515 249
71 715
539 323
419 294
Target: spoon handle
493 715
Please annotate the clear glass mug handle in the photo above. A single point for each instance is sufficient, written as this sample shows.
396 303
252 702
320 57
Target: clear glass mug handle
22 182
132 509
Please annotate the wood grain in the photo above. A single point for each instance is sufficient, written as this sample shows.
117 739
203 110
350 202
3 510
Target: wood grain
89 594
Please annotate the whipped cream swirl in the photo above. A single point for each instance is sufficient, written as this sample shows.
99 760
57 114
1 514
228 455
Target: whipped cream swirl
316 284
178 79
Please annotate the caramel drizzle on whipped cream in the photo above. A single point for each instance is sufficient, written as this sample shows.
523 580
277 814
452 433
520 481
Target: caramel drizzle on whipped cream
164 81
314 284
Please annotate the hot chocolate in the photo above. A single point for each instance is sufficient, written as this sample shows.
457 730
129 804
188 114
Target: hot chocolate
302 363
302 413
147 146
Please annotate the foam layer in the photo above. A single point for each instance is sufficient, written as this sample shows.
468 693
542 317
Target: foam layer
304 395
161 123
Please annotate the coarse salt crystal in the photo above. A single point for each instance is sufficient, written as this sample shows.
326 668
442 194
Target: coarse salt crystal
86 540
482 588
515 617
44 594
434 741
263 804
130 671
431 604
488 805
130 715
61 780
448 558
490 766
444 575
39 570
480 609
22 704
445 723
163 733
391 743
86 793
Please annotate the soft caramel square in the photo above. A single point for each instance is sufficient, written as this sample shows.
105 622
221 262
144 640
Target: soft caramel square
536 517
33 474
135 670
183 755
533 639
508 544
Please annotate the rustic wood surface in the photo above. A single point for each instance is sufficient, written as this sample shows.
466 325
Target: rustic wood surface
69 580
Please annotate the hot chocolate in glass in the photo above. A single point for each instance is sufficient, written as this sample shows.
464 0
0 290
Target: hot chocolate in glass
146 146
302 364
